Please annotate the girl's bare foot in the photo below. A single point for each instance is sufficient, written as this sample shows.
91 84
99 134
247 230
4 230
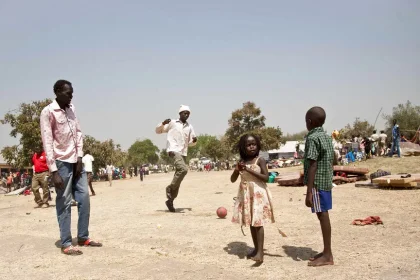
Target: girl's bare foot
321 261
252 254
259 257
317 256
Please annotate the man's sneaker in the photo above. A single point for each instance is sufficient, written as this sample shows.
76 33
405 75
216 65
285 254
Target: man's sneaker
170 205
45 205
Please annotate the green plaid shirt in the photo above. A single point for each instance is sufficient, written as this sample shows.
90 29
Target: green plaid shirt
319 147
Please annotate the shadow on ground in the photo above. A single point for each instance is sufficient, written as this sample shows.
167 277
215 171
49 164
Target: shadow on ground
177 210
299 253
239 249
58 243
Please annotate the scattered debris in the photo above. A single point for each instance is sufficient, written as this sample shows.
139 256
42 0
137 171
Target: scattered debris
396 181
371 220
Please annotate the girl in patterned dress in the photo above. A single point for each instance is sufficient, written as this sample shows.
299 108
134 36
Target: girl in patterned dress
253 205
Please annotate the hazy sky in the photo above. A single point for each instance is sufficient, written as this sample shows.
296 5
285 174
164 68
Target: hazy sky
132 63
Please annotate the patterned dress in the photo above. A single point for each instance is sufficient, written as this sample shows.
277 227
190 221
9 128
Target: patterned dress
253 205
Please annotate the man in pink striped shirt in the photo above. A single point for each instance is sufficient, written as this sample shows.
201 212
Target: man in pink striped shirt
63 145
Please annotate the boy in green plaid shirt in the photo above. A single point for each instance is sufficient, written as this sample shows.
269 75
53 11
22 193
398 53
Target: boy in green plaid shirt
318 167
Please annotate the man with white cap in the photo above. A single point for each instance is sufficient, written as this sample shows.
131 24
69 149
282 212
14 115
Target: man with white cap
181 135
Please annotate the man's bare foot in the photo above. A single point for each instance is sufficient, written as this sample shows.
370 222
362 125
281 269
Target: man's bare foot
259 257
317 256
252 254
321 261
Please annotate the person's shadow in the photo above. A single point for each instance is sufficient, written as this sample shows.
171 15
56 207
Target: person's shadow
239 249
73 242
299 253
177 210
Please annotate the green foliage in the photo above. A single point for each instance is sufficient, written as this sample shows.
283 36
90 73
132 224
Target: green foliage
213 149
165 158
143 152
362 128
208 146
248 119
25 126
105 152
408 118
295 137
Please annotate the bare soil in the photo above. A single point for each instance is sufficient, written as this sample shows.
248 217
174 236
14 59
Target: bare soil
142 240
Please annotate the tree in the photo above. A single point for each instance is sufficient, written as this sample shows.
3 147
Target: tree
143 152
25 126
119 157
207 146
105 152
270 137
248 119
359 128
196 151
226 149
212 147
165 158
408 118
295 137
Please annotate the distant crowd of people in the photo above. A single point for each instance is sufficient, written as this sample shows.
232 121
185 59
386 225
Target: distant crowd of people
369 146
15 180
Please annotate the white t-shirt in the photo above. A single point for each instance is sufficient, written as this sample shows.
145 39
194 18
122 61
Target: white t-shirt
382 137
87 161
109 169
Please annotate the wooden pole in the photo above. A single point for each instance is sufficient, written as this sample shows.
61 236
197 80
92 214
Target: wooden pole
377 118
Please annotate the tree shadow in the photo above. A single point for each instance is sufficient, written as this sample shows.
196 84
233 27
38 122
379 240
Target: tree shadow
299 253
239 249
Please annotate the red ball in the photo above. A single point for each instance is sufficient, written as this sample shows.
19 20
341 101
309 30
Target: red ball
221 212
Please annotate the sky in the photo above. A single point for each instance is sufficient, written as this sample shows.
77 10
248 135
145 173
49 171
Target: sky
133 63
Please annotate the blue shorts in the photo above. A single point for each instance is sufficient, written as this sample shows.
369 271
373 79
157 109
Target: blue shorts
321 200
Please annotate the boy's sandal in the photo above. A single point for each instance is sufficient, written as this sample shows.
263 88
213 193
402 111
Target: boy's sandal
71 251
89 242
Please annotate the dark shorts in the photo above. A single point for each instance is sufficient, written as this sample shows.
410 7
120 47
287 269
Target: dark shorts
321 200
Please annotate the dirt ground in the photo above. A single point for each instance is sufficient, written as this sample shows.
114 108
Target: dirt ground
144 241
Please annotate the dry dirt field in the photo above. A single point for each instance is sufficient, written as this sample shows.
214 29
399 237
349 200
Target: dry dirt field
144 241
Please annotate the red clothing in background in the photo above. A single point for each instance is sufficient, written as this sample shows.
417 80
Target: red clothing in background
40 162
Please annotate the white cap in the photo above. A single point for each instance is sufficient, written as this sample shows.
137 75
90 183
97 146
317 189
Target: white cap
184 108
